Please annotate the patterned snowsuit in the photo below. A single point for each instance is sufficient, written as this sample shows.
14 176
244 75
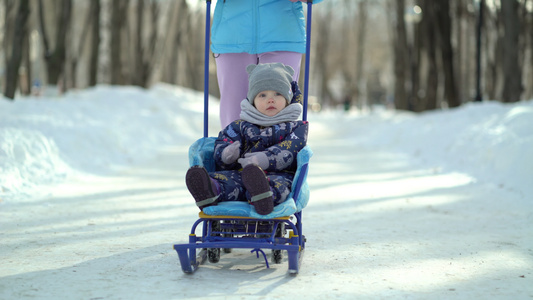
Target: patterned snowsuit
281 143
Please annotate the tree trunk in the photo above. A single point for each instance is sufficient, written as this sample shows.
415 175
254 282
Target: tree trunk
512 87
492 52
429 44
415 62
118 18
193 77
444 25
323 30
359 63
16 52
25 84
75 57
95 42
345 46
530 84
460 32
400 58
148 57
138 57
182 26
56 59
7 36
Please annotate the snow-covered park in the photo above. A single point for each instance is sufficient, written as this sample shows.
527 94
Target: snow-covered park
437 205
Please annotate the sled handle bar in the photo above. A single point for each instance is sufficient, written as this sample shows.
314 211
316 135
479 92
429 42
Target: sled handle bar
206 65
307 56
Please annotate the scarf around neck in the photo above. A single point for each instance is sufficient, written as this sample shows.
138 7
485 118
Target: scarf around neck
250 114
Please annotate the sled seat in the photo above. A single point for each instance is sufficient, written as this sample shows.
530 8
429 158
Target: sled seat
203 215
201 154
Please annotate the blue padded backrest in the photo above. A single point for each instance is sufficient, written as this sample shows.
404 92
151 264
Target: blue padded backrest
201 153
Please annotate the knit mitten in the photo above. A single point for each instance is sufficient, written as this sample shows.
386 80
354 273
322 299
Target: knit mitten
255 158
230 154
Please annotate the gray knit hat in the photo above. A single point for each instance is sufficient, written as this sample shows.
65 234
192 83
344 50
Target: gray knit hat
264 77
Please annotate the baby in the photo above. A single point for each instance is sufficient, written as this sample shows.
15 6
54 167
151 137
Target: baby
255 156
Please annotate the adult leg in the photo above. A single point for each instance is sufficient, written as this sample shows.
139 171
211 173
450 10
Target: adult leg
292 59
232 83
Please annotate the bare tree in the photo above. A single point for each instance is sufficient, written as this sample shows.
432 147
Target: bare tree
429 64
138 49
345 62
323 30
118 20
55 58
460 33
512 88
415 46
75 56
444 25
9 15
431 86
95 41
361 32
400 57
492 50
17 48
529 84
166 54
466 18
25 80
144 51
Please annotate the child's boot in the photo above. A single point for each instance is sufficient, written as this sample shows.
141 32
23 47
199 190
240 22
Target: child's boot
203 189
256 183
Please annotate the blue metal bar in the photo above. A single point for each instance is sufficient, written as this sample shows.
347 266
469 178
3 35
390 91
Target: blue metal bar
307 57
206 65
239 245
299 226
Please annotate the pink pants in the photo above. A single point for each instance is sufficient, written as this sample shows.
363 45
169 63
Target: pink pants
233 79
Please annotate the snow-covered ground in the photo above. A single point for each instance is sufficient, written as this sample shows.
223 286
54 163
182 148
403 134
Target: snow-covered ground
431 206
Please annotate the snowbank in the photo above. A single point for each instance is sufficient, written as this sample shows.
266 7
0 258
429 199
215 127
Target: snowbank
44 140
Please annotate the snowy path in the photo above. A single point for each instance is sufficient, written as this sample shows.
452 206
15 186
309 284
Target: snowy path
379 225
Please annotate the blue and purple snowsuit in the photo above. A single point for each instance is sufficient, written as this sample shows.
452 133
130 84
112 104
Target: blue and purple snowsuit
281 143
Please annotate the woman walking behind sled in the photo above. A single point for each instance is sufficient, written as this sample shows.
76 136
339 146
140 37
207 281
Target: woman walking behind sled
255 156
253 32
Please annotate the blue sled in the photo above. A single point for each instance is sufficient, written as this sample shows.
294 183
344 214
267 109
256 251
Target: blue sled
236 224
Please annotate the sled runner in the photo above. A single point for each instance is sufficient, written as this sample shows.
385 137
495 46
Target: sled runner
235 224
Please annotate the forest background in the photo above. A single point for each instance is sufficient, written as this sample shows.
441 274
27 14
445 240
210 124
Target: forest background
413 55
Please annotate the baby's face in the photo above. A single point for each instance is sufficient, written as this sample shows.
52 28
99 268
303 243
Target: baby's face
270 103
